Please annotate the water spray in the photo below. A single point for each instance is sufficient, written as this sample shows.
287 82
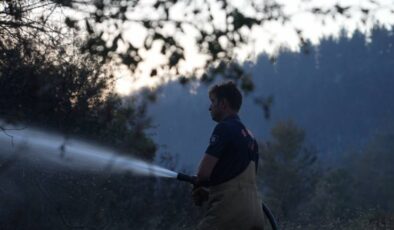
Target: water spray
79 155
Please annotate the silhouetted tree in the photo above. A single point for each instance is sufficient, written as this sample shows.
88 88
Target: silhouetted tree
357 194
288 170
71 94
374 173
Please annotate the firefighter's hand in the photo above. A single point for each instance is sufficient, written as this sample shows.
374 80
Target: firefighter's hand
200 195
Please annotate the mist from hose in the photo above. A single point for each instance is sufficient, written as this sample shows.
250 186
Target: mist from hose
53 150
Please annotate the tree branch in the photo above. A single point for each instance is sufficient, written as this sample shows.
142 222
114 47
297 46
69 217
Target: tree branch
22 24
4 130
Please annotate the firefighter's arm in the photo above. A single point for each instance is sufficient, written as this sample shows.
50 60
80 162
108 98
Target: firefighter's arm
200 194
205 168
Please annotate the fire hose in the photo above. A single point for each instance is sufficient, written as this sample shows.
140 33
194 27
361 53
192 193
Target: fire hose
266 210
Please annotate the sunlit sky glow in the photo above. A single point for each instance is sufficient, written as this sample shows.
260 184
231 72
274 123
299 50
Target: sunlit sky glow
272 37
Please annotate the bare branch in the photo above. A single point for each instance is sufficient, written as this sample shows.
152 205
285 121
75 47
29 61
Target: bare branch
22 24
52 10
4 130
40 6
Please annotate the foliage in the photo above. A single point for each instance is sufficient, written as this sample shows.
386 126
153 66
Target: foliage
52 199
362 183
303 194
69 93
288 169
44 81
373 174
330 199
216 28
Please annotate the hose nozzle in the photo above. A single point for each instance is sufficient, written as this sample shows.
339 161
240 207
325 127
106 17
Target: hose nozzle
187 178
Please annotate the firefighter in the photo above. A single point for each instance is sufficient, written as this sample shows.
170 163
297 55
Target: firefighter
226 177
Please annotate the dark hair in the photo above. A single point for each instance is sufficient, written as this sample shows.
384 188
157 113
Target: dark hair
229 91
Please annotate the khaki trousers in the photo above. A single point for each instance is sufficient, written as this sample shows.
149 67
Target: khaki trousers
235 204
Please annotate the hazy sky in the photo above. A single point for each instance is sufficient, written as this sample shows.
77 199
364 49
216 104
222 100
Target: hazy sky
271 37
